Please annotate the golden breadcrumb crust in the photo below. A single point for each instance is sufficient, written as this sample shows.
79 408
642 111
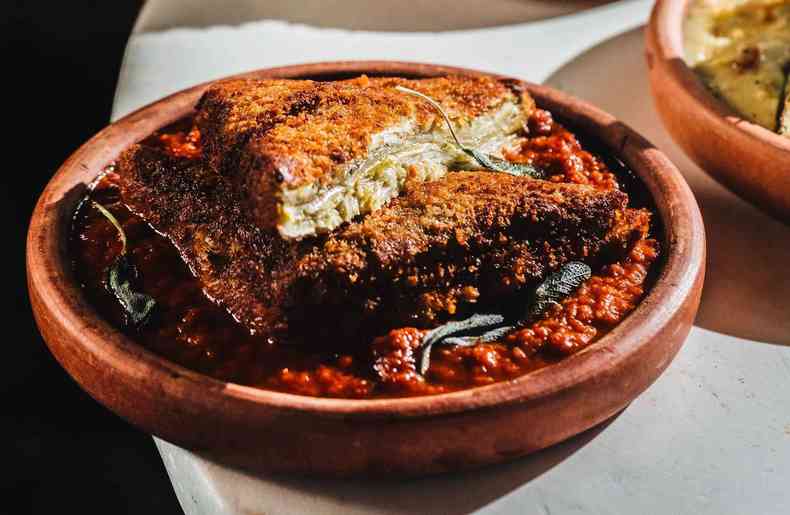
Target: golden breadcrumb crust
469 238
270 135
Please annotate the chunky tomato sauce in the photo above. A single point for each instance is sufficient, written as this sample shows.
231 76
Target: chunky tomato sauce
192 331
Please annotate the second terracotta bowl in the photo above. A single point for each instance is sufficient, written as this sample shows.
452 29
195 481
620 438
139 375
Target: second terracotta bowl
271 431
748 159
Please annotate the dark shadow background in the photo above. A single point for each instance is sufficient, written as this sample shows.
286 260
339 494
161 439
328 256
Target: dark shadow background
61 450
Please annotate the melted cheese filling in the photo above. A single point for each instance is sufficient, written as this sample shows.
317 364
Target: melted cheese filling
741 50
395 156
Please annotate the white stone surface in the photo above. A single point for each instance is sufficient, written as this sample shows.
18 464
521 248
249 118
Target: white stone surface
403 15
711 436
159 63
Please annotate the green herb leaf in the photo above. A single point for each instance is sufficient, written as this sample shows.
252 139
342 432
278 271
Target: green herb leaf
487 161
491 327
476 322
137 307
487 337
557 286
114 221
497 164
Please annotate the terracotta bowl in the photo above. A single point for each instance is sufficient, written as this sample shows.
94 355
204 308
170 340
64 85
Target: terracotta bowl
269 431
750 160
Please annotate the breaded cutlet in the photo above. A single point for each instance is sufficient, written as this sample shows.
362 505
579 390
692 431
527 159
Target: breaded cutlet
470 238
306 156
441 247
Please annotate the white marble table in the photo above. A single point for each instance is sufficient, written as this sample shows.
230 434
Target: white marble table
711 436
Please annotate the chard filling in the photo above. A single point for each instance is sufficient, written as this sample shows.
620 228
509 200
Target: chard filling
395 156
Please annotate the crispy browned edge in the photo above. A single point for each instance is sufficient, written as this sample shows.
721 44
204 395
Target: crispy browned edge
271 134
470 237
385 267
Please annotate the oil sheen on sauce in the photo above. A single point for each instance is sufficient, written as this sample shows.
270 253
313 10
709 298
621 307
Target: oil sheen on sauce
192 331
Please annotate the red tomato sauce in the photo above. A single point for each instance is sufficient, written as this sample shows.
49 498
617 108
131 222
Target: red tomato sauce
192 331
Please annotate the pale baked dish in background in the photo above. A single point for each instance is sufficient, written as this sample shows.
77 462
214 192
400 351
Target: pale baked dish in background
741 51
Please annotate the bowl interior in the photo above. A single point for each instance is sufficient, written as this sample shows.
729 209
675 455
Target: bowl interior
679 270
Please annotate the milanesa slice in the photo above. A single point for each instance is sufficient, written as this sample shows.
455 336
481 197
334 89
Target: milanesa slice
306 156
471 238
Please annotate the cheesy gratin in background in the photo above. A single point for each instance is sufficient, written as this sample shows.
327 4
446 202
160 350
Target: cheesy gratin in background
741 50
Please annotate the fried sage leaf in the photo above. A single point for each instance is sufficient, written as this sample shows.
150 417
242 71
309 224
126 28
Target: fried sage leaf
487 337
492 327
487 161
497 164
557 286
466 327
137 306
